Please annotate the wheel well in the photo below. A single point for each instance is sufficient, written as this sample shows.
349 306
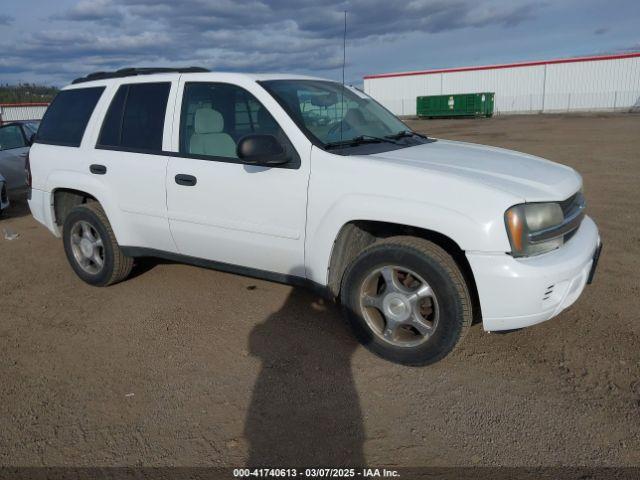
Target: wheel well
357 235
65 199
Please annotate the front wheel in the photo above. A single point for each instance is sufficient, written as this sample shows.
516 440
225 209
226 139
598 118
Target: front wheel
91 246
407 300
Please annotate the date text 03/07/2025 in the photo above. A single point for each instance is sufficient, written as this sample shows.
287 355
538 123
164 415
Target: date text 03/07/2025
315 473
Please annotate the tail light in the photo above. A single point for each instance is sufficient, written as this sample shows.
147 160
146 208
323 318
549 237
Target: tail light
27 170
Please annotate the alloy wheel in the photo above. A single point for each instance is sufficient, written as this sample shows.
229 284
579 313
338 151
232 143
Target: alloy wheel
399 306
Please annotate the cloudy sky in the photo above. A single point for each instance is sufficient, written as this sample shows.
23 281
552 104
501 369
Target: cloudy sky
54 41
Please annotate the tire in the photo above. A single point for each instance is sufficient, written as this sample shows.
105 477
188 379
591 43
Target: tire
4 197
114 267
429 273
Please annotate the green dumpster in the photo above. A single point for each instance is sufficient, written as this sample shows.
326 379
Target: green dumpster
458 105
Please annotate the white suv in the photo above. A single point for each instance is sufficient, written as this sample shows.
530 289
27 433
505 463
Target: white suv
303 181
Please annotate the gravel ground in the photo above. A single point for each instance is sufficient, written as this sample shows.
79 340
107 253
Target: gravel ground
186 366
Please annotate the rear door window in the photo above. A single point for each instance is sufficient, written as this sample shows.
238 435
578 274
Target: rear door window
135 119
112 125
66 118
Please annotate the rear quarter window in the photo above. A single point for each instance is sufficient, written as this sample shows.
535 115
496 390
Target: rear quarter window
135 119
66 118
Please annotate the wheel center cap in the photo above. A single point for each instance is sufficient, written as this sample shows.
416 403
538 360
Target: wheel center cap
396 307
86 247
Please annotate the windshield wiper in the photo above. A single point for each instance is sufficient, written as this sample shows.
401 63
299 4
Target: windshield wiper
359 140
405 133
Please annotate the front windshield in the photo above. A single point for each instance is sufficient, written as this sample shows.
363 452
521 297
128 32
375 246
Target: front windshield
333 113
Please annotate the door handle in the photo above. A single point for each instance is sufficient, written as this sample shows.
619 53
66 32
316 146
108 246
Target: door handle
24 155
186 180
98 169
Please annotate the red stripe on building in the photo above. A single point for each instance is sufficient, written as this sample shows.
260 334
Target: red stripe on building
507 65
24 104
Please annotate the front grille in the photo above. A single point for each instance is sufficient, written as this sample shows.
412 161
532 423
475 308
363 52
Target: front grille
569 207
572 203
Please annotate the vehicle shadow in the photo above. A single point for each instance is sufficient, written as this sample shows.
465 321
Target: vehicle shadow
142 265
304 409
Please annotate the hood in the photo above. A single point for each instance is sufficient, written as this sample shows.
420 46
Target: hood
531 178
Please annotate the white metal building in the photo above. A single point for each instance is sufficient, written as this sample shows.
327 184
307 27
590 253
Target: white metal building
10 112
610 82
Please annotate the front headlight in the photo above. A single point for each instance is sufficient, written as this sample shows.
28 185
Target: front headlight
526 220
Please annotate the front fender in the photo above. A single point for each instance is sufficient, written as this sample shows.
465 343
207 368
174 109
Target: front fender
477 233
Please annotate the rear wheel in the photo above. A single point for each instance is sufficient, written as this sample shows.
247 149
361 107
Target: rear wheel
407 300
91 246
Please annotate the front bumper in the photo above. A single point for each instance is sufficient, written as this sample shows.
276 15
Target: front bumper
519 292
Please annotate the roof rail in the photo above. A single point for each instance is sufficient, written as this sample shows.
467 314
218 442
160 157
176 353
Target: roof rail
130 72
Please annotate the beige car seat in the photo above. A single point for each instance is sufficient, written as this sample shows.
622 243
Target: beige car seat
208 137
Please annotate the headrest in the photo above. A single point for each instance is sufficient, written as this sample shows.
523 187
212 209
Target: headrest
208 120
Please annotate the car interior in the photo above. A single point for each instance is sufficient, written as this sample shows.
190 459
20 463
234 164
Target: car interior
216 116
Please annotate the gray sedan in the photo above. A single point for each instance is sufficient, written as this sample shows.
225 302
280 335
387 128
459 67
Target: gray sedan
15 139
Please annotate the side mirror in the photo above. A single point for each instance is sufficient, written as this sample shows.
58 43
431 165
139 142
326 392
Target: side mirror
263 150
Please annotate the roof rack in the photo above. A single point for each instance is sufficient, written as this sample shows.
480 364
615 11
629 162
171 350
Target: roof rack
131 72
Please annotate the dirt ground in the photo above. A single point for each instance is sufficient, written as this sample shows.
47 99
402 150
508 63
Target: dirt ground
184 366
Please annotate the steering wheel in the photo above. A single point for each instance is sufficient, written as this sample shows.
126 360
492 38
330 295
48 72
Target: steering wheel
336 126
